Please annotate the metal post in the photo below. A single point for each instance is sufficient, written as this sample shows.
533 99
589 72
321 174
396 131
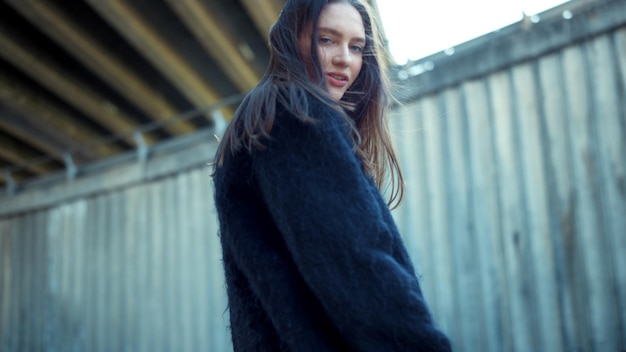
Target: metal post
142 147
70 168
10 183
219 121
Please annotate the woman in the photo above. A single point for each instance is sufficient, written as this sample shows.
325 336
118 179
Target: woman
312 257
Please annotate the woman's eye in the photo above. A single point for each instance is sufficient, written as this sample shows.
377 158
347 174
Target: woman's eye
357 48
325 40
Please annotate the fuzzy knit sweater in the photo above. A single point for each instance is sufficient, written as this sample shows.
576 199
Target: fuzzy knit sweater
313 259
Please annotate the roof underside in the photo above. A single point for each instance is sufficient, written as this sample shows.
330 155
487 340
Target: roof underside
77 78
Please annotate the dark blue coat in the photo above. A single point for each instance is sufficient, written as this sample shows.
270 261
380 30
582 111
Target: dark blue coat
312 257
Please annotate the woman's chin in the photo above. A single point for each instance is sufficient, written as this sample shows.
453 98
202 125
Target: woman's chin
336 94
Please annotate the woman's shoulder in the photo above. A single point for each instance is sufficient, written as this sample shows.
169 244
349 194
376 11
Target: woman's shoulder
309 109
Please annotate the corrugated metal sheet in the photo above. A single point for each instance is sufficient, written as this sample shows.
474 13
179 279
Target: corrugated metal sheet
516 206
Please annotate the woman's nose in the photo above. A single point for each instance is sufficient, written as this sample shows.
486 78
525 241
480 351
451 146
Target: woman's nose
342 56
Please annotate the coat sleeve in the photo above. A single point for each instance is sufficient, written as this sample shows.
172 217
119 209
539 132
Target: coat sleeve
340 235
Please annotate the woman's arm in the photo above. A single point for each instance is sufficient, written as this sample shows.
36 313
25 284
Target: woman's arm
341 237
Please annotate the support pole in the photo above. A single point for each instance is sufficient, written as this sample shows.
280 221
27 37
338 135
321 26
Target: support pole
142 147
10 183
70 168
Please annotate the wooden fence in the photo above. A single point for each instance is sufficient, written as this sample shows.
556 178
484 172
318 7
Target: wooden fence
125 259
514 150
516 178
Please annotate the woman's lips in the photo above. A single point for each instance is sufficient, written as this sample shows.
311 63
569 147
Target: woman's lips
337 79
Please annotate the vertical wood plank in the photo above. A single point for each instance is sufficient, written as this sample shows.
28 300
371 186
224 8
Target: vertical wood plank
129 273
117 269
27 273
561 192
396 125
14 318
170 204
483 211
21 305
416 231
608 124
159 341
536 204
218 327
80 215
40 285
594 285
7 272
54 283
442 273
464 287
142 231
96 248
199 198
619 244
185 274
86 240
514 242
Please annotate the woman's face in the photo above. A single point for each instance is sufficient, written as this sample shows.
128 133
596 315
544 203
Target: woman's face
341 40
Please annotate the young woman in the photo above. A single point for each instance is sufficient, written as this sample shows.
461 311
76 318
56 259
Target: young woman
313 259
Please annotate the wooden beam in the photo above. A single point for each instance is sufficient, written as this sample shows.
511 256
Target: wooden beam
146 40
48 116
110 69
264 14
17 176
208 31
18 127
15 127
68 88
14 153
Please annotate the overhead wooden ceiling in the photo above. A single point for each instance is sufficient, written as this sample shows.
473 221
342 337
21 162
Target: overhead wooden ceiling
78 77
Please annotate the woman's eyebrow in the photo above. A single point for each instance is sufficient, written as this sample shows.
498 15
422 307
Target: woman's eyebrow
339 34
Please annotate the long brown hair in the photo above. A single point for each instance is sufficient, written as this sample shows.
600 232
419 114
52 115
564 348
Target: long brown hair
287 81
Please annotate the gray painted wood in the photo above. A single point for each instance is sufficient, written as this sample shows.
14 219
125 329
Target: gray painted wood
532 166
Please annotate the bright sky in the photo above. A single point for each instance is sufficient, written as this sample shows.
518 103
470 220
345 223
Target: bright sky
417 28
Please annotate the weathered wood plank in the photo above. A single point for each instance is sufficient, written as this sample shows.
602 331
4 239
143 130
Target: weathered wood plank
130 290
463 288
157 265
610 144
619 40
184 277
561 192
595 302
417 231
198 200
475 158
219 319
536 208
118 268
170 204
7 272
442 273
40 278
100 257
514 241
